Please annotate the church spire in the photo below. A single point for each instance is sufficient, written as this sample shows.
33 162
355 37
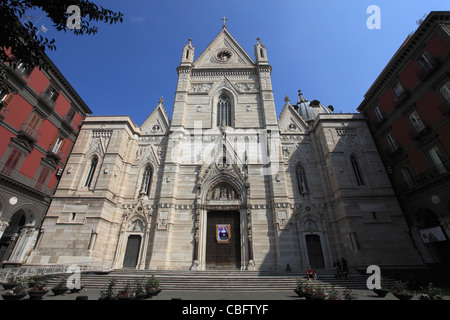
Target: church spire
188 53
261 53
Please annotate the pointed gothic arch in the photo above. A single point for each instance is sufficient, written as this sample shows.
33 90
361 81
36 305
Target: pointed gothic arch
302 184
357 169
224 102
145 179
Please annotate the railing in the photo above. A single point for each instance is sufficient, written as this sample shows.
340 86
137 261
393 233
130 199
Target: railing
3 111
436 173
445 108
53 150
418 135
401 97
29 132
426 70
14 175
70 121
48 99
49 270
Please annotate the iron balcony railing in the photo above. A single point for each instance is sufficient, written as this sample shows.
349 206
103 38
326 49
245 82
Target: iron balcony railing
29 132
53 150
12 174
437 173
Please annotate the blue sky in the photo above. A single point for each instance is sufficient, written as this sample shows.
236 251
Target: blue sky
322 47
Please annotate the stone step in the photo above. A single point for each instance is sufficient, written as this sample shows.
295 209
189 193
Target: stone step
214 280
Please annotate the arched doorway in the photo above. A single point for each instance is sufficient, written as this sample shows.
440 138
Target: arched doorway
131 257
433 236
222 235
11 234
223 247
134 240
315 253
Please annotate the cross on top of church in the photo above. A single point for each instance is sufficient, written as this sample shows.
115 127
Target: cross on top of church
224 22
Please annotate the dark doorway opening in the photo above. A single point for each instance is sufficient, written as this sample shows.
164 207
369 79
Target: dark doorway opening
132 252
315 254
223 254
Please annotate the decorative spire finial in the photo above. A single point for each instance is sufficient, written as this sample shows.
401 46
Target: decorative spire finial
161 101
224 22
300 96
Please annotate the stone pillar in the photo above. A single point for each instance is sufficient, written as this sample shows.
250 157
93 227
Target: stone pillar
251 262
196 263
24 244
3 225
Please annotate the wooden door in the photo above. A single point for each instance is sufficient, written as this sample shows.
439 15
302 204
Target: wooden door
223 254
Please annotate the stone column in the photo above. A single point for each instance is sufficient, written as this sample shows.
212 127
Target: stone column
251 262
24 244
3 225
196 263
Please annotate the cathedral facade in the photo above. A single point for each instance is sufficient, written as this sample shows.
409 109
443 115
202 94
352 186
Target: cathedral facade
224 183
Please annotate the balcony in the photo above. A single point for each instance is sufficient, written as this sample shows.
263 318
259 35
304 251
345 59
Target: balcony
427 69
13 175
3 111
445 109
435 174
54 152
29 133
419 135
401 97
68 119
49 98
396 154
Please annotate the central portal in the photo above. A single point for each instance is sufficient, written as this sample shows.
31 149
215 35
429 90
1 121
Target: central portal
223 250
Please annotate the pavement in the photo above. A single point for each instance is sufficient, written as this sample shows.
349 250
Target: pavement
280 295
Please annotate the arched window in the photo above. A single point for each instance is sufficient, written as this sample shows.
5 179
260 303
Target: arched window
224 111
301 180
146 180
357 171
91 172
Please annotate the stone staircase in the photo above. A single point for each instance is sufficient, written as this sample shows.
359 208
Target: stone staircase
222 280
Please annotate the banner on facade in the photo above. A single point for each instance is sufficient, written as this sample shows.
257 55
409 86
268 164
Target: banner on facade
434 234
223 233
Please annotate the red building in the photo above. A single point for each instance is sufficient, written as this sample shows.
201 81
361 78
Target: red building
40 116
408 111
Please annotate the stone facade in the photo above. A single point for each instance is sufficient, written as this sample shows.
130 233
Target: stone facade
298 190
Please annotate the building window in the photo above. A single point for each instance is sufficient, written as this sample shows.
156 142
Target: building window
437 159
407 176
398 89
42 178
91 172
392 142
357 171
51 94
5 97
445 91
354 241
416 121
70 115
23 70
224 111
425 61
146 181
301 180
379 114
34 121
12 161
57 144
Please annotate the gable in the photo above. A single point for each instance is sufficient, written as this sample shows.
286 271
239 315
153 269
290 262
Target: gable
157 122
224 52
290 121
